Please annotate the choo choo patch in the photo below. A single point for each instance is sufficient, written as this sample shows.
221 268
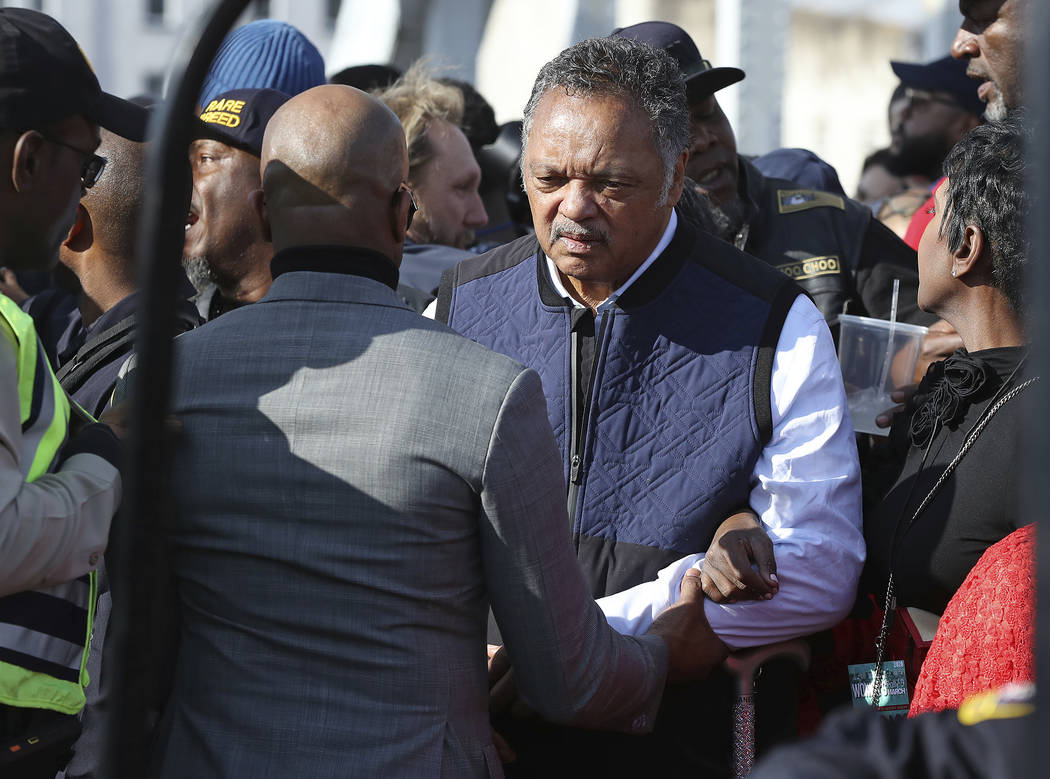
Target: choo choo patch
812 268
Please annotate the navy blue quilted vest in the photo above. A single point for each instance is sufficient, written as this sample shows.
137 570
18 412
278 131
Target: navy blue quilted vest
679 405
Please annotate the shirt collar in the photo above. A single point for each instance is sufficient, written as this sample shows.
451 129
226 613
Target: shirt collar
124 308
665 239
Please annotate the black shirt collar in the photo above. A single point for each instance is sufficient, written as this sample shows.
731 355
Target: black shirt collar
350 260
124 308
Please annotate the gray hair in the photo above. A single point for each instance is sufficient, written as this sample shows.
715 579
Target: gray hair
622 67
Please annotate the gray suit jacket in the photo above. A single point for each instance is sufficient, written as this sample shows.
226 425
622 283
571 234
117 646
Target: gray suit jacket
355 484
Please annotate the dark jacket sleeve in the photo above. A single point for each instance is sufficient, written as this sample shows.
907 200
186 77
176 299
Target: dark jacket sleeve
860 744
883 258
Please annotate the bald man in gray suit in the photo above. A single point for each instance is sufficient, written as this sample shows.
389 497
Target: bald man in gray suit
357 485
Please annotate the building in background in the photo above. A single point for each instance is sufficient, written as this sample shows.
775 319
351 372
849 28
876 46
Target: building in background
818 70
130 43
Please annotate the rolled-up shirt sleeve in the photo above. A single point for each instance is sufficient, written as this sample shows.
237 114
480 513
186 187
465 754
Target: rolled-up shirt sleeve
806 490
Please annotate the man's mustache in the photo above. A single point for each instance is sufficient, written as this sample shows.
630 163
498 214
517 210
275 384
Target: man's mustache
578 232
974 71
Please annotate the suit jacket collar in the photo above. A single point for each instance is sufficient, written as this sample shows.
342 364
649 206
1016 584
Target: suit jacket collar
352 260
333 274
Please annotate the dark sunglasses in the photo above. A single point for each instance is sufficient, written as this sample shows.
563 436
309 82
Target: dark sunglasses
91 169
412 207
917 97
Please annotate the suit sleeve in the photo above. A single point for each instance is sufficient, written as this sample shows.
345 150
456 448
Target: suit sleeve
569 665
55 528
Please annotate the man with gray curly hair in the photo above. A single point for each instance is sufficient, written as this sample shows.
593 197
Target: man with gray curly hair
692 388
649 81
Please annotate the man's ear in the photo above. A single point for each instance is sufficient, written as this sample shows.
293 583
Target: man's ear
966 257
677 179
257 201
26 161
398 219
82 233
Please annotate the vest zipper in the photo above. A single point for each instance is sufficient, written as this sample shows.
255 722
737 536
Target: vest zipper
574 456
580 418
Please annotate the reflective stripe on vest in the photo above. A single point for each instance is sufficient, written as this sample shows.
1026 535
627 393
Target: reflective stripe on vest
44 634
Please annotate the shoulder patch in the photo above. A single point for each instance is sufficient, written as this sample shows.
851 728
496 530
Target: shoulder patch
791 200
811 268
1008 702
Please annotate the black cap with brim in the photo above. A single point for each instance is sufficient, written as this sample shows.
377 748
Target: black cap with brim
122 117
45 77
947 75
239 117
701 79
707 82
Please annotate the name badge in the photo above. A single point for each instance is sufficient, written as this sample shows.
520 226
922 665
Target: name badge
893 699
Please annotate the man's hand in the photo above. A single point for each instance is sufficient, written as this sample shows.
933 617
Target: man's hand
503 695
727 575
901 396
502 691
117 419
9 286
939 343
693 649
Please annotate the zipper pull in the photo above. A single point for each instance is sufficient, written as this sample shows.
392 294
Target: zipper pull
574 469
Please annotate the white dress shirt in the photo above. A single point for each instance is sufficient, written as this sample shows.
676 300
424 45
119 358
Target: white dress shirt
806 490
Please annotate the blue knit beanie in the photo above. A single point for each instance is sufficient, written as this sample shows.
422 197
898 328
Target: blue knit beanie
265 54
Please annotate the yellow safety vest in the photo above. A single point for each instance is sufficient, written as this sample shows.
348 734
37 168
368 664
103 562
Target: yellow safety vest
44 634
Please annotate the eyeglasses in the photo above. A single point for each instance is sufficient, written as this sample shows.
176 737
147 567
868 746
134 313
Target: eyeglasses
412 207
92 167
913 98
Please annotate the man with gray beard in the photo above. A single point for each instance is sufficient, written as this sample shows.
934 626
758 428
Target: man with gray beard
831 246
992 39
225 254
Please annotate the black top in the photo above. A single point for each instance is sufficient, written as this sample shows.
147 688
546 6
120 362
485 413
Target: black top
90 374
994 743
976 506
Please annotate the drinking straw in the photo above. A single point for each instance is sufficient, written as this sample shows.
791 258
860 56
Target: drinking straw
889 342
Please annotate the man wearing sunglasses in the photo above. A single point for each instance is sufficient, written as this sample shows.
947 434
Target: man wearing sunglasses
58 491
940 106
100 251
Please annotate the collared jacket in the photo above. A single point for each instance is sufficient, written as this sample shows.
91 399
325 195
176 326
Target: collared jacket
831 246
661 425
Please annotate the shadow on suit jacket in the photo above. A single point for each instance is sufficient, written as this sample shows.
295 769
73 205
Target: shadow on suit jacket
351 485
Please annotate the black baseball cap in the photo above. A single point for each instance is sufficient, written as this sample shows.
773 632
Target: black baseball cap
238 118
701 78
44 77
946 74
